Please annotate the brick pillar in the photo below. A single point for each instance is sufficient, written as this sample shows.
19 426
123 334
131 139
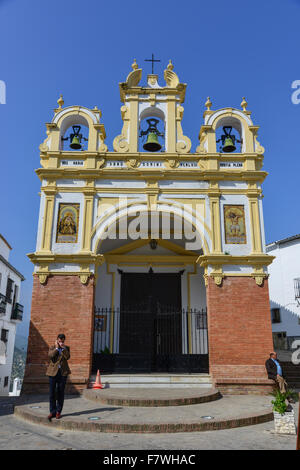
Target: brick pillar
62 305
240 334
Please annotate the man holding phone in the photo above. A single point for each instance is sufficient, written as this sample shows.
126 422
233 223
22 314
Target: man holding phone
58 371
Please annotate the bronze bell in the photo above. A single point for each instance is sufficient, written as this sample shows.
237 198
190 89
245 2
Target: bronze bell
152 144
228 140
75 144
75 138
228 145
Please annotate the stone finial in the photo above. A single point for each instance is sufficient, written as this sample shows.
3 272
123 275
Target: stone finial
244 104
60 102
98 111
208 104
134 65
134 76
170 66
171 77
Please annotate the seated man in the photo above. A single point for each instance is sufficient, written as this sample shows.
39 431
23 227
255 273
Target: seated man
274 371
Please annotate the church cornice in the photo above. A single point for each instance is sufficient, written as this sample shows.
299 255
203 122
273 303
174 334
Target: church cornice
217 259
126 91
144 173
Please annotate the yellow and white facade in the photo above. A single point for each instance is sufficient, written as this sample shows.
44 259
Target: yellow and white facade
117 191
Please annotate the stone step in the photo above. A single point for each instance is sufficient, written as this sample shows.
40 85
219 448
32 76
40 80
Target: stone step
154 380
150 397
80 414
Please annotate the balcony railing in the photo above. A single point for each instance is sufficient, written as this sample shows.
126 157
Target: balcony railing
2 304
17 313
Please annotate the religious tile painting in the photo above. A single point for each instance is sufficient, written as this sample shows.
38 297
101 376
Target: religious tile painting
67 223
235 227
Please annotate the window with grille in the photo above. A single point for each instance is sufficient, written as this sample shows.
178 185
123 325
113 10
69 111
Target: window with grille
297 289
15 295
275 315
9 290
4 335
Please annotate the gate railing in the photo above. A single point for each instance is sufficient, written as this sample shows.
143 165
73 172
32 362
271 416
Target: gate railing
138 330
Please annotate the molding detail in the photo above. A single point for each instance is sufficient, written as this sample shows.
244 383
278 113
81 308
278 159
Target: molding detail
134 77
43 278
203 139
120 143
171 77
183 144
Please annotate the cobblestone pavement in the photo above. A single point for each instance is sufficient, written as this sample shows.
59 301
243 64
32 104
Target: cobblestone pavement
16 434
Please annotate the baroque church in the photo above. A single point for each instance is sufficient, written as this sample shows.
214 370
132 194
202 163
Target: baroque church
151 258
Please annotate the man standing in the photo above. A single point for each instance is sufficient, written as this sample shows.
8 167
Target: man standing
58 370
274 371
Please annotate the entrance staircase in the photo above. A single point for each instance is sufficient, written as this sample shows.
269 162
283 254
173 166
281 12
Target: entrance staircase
154 380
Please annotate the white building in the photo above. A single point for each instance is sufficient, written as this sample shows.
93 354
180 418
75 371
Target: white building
11 313
284 283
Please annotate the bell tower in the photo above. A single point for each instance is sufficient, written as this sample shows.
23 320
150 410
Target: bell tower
155 102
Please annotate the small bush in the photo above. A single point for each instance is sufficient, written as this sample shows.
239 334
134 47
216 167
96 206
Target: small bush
105 350
279 404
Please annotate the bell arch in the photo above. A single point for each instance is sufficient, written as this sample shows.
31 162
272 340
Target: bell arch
238 121
152 111
102 226
79 116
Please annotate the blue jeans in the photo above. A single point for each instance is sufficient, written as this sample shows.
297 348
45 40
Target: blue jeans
57 392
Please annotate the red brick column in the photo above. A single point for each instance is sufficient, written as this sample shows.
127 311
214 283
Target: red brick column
240 334
62 305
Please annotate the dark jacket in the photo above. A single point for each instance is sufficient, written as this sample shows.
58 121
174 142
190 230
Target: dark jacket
272 368
57 360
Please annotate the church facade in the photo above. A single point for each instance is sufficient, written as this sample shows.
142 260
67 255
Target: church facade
151 258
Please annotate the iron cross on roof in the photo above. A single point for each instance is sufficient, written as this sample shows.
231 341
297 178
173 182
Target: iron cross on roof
152 60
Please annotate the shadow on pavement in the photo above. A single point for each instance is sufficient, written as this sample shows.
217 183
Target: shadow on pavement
7 404
96 410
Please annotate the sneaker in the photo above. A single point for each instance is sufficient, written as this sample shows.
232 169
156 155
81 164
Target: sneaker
58 416
50 416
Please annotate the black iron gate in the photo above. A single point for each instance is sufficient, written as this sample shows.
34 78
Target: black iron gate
150 337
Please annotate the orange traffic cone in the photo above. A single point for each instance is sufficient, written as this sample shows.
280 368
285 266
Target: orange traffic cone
98 383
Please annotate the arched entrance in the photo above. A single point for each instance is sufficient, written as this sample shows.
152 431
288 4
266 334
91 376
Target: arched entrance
150 299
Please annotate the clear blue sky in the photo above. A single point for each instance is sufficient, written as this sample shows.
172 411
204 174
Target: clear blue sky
225 50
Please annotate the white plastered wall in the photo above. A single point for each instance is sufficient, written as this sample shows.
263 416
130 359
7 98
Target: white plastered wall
7 349
283 270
